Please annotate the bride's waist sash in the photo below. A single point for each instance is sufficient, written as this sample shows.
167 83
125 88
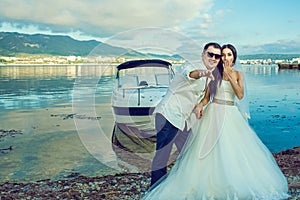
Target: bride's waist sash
224 102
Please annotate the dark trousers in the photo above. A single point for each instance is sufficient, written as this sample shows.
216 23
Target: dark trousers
167 135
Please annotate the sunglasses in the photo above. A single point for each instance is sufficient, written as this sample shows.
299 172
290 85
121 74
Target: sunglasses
217 56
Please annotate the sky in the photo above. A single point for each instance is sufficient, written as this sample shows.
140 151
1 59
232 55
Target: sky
253 26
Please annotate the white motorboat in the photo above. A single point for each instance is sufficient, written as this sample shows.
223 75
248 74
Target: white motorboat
140 86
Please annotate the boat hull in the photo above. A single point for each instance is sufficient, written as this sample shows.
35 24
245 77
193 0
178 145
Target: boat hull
140 86
138 122
133 109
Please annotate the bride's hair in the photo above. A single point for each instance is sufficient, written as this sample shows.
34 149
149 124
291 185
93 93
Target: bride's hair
218 71
232 48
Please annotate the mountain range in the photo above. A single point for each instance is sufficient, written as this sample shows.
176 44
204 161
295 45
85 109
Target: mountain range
14 44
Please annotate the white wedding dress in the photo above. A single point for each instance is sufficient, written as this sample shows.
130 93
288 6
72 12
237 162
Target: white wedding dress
223 159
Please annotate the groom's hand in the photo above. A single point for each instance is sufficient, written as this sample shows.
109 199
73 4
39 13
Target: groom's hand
198 73
206 73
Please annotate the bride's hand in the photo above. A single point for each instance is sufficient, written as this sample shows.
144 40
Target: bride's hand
227 69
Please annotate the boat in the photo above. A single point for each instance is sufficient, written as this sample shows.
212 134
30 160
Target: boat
139 87
289 66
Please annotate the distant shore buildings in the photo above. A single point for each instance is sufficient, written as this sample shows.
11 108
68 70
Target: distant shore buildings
269 61
64 60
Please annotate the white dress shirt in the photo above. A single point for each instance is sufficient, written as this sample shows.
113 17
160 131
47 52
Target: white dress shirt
182 96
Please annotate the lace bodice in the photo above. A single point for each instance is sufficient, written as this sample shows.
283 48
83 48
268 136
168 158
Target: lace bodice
225 91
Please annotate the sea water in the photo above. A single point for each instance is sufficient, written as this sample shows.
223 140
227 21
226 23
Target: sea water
274 100
274 95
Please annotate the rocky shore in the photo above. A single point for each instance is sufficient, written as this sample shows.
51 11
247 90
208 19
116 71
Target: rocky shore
124 186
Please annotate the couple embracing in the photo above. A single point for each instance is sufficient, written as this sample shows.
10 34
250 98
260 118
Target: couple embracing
220 157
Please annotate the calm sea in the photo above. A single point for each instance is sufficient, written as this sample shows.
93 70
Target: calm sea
273 94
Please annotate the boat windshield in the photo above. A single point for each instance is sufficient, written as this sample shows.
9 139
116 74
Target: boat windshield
144 76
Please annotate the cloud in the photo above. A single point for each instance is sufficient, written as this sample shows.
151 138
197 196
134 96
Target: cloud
101 18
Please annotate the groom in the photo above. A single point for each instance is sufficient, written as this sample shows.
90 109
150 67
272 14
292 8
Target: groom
174 119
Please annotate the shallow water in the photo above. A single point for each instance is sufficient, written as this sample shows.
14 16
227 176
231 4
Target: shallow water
38 100
274 105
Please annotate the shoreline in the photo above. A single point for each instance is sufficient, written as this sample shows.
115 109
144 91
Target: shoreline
125 185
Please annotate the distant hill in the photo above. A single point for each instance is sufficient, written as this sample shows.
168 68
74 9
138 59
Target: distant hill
12 44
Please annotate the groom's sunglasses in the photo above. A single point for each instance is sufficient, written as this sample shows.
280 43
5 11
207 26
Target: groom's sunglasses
217 56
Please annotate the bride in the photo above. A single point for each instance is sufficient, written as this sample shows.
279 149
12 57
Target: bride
223 158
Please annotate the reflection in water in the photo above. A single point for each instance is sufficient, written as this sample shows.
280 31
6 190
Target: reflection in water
47 86
44 72
265 70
